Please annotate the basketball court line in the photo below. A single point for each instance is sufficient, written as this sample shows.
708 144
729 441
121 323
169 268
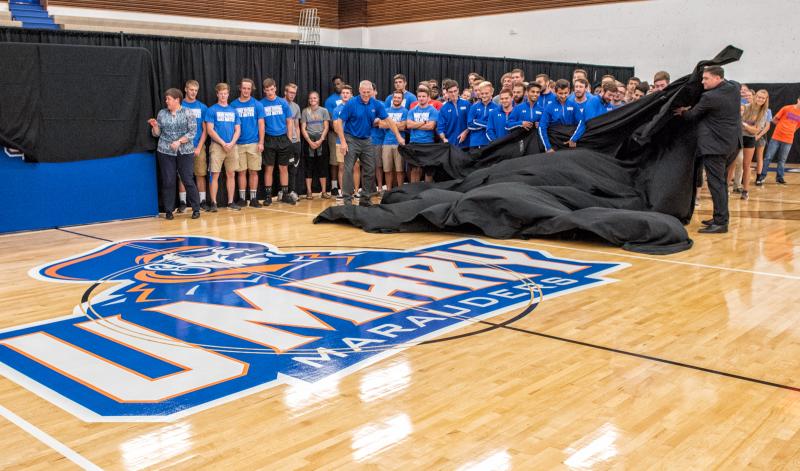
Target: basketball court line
48 440
612 349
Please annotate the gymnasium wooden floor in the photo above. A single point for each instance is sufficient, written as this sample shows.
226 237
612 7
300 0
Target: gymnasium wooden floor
687 361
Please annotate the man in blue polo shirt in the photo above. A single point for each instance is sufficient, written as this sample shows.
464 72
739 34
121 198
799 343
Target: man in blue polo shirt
334 100
198 110
357 117
251 141
562 111
452 123
421 121
277 143
528 113
223 126
400 84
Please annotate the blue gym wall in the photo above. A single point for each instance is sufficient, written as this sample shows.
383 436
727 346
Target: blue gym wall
42 196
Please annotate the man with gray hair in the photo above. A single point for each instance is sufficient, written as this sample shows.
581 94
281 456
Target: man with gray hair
358 117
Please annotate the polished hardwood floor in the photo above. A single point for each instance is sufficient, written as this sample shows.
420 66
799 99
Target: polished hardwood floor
688 361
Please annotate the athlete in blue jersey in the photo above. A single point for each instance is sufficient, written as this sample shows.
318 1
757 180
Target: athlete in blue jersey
580 95
528 113
478 117
546 96
198 110
334 100
603 103
421 122
392 160
400 84
251 141
223 127
497 120
562 111
278 140
452 123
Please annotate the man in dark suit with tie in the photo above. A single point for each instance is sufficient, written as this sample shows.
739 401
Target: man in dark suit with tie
719 131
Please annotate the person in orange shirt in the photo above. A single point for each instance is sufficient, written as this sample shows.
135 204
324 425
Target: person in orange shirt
787 122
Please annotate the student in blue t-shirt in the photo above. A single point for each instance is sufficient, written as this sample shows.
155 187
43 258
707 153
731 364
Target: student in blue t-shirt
421 122
223 126
478 118
400 84
251 141
334 100
528 113
452 123
357 118
392 160
377 136
496 127
346 95
277 140
198 110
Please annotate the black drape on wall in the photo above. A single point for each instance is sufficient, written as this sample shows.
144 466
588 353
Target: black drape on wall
176 60
780 95
66 103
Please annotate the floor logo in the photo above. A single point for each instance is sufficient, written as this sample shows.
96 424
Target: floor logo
172 325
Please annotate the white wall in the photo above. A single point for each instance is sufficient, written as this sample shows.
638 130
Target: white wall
650 35
328 37
3 6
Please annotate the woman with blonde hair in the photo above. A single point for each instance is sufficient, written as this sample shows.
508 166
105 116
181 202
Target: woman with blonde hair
755 122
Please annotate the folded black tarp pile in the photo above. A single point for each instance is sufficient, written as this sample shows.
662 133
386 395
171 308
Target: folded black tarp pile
631 182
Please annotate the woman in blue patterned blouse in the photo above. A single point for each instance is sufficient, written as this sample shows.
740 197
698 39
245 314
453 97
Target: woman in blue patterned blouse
175 128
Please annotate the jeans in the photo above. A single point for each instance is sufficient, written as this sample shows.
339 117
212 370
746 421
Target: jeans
782 149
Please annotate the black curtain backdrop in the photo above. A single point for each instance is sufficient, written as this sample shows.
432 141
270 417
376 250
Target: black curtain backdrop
780 95
176 60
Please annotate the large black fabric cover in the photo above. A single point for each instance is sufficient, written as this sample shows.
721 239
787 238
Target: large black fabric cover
631 183
66 103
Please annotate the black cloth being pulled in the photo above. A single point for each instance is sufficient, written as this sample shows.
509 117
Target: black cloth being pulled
631 181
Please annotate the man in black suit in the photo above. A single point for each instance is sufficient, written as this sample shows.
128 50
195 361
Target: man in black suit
719 131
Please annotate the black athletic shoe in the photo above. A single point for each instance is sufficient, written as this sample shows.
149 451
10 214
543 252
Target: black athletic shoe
204 205
781 181
759 181
169 216
234 206
255 204
745 195
335 192
212 207
287 198
181 207
737 190
268 198
195 214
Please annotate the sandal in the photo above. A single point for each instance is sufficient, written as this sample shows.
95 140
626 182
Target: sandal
310 196
325 196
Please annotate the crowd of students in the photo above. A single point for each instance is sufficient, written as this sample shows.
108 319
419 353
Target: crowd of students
354 134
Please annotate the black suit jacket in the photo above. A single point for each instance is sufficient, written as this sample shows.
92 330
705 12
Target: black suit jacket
718 117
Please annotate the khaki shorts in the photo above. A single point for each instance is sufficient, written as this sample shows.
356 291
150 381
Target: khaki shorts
249 157
219 156
392 160
332 149
339 155
201 163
